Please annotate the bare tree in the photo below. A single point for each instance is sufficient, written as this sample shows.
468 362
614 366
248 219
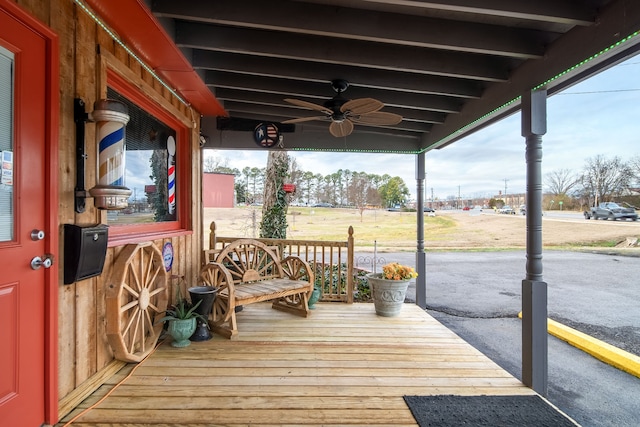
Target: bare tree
634 165
358 191
604 179
308 179
319 186
213 163
561 181
257 176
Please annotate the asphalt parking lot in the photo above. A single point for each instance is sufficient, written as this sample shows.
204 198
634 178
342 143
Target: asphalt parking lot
477 295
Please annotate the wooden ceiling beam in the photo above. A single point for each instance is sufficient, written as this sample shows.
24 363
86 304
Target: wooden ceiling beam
359 76
357 24
346 52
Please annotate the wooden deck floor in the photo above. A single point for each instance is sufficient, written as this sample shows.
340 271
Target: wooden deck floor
343 366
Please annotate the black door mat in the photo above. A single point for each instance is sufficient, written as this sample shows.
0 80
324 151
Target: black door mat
494 411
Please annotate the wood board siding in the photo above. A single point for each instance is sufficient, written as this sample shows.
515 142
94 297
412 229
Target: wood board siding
342 365
84 354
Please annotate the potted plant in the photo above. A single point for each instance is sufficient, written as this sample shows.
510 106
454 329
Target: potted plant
390 287
181 319
315 296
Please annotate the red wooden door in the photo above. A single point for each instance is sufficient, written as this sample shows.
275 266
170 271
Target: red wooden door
22 210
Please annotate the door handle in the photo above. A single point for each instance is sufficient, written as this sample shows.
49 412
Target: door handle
37 235
45 261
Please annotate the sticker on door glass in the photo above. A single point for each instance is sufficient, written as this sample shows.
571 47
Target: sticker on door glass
7 167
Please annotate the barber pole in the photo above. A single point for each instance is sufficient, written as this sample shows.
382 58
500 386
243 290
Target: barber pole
110 117
111 120
171 172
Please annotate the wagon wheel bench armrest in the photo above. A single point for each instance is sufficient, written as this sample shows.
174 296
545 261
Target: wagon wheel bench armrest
298 269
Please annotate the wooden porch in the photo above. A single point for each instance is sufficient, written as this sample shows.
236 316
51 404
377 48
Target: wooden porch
342 365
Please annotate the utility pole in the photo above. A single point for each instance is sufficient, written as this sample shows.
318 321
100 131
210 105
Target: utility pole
505 190
459 200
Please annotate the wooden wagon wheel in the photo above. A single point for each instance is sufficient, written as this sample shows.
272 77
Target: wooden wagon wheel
137 296
213 275
297 269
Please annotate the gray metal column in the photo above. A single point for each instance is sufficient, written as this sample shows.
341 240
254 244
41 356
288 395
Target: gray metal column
534 289
421 265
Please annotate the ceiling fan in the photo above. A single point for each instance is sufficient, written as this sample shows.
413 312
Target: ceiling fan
343 113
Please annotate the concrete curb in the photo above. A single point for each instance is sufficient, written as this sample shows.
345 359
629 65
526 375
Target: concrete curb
607 353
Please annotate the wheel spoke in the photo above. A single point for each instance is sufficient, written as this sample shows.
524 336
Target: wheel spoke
150 281
147 274
134 340
156 291
125 330
128 306
136 278
132 291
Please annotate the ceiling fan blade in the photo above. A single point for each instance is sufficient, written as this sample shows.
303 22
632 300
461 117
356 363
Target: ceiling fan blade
309 105
340 129
304 119
377 118
362 106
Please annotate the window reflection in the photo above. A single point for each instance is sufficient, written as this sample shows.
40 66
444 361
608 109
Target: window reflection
150 159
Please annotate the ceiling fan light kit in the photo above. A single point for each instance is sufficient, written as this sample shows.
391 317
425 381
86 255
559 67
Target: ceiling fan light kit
344 113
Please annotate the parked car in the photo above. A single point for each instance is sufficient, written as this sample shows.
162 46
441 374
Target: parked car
506 209
611 210
323 205
466 208
523 209
427 209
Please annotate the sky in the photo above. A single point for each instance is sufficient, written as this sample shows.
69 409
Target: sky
600 116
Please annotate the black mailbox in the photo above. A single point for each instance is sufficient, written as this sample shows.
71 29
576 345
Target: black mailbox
85 248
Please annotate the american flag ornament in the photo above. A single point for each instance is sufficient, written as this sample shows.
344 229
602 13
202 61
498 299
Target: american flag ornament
266 135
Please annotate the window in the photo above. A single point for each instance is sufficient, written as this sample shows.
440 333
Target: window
6 146
156 167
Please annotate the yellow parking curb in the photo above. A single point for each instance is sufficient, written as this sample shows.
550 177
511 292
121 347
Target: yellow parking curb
607 353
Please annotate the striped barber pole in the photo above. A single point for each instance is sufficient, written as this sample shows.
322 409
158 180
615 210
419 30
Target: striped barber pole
171 174
111 119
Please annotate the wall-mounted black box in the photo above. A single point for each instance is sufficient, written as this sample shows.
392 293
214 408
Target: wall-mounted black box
85 248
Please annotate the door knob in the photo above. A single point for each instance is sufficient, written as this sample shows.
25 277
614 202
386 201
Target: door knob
37 235
46 261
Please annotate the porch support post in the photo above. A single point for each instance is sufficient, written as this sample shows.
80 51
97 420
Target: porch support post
421 265
534 289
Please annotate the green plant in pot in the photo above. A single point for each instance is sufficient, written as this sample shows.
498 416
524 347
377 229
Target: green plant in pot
181 319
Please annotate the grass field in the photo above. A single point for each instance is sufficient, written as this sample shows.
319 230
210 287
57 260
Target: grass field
396 231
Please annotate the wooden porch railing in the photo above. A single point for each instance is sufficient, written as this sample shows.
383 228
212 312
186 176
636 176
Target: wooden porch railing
333 262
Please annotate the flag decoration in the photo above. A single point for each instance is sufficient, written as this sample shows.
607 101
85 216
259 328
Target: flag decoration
266 135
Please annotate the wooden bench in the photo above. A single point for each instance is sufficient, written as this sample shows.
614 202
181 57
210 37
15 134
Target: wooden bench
247 271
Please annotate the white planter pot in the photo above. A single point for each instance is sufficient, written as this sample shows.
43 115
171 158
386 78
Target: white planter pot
388 295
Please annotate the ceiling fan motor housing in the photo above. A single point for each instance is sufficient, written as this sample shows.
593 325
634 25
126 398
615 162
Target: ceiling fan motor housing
335 104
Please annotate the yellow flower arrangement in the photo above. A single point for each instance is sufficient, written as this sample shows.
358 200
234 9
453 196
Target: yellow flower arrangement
395 271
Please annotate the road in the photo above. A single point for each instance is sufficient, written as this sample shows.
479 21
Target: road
477 295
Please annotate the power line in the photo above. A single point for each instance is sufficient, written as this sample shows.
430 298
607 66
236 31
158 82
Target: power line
598 91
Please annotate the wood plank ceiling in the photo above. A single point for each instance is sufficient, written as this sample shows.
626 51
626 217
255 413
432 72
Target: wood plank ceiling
448 67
